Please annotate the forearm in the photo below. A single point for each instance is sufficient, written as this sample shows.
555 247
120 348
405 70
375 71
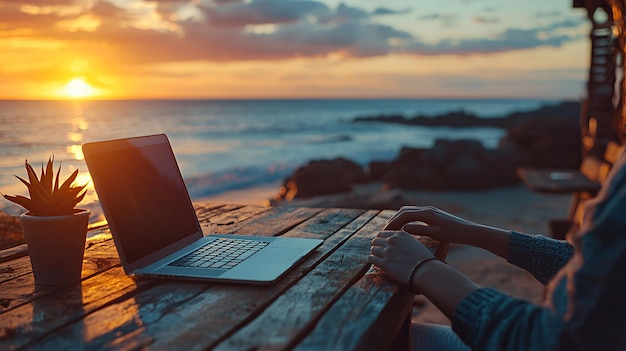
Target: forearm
489 238
443 285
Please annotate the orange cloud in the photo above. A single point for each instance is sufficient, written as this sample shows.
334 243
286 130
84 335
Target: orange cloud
42 40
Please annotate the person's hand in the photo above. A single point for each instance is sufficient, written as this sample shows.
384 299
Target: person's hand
447 228
432 222
396 252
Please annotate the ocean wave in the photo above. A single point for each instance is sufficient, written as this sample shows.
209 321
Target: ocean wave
324 139
234 179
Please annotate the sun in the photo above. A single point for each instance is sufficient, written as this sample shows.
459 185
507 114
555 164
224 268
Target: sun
77 88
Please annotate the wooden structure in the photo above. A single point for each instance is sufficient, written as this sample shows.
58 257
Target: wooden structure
332 300
603 119
603 116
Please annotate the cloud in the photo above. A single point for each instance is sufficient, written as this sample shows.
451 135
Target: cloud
40 2
569 23
255 30
255 12
486 20
509 40
381 11
237 30
16 17
551 14
106 9
446 20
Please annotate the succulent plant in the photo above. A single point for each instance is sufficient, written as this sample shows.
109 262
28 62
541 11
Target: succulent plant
48 198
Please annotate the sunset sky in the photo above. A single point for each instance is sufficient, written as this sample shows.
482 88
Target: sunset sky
128 49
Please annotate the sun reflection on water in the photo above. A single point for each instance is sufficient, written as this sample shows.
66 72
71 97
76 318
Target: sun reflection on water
75 135
76 151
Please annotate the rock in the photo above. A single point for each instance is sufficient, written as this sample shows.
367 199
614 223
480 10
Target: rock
413 177
546 137
553 142
456 119
322 177
377 169
462 119
454 165
506 159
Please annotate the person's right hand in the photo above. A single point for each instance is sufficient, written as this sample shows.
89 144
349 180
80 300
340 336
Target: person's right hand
432 222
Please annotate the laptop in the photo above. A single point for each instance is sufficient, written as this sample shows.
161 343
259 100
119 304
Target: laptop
155 228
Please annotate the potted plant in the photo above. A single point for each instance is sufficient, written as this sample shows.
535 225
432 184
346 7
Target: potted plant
55 231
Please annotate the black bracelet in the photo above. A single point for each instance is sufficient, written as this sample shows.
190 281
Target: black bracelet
415 268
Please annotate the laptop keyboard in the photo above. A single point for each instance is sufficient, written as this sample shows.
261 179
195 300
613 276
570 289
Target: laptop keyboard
222 253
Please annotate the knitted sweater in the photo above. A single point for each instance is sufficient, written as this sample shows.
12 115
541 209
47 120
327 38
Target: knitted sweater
587 287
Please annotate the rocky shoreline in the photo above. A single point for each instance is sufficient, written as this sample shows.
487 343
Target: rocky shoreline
462 119
548 137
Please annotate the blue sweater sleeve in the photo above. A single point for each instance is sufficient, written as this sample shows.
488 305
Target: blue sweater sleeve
490 320
543 257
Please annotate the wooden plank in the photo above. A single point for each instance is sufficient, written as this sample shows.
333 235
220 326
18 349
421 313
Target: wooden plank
214 314
370 312
29 311
206 207
366 317
99 256
275 221
303 304
29 322
329 221
14 268
19 291
205 212
122 324
14 252
18 251
236 213
21 265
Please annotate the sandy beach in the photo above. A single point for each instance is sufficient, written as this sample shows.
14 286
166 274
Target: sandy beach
514 208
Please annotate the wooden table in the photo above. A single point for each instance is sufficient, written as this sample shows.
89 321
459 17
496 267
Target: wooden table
331 301
557 181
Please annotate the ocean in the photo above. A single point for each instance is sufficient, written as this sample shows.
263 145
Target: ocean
228 145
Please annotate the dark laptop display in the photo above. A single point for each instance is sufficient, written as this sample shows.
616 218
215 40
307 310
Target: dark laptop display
154 224
140 168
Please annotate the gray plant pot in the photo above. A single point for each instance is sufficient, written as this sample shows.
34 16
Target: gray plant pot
56 246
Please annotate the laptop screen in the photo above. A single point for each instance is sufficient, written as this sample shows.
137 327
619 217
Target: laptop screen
142 194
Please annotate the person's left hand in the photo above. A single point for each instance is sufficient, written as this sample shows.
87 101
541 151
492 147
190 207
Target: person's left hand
396 252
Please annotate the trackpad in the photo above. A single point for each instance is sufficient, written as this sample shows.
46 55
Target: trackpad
266 265
279 255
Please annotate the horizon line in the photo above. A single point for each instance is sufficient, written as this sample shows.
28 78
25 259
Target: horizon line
291 98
